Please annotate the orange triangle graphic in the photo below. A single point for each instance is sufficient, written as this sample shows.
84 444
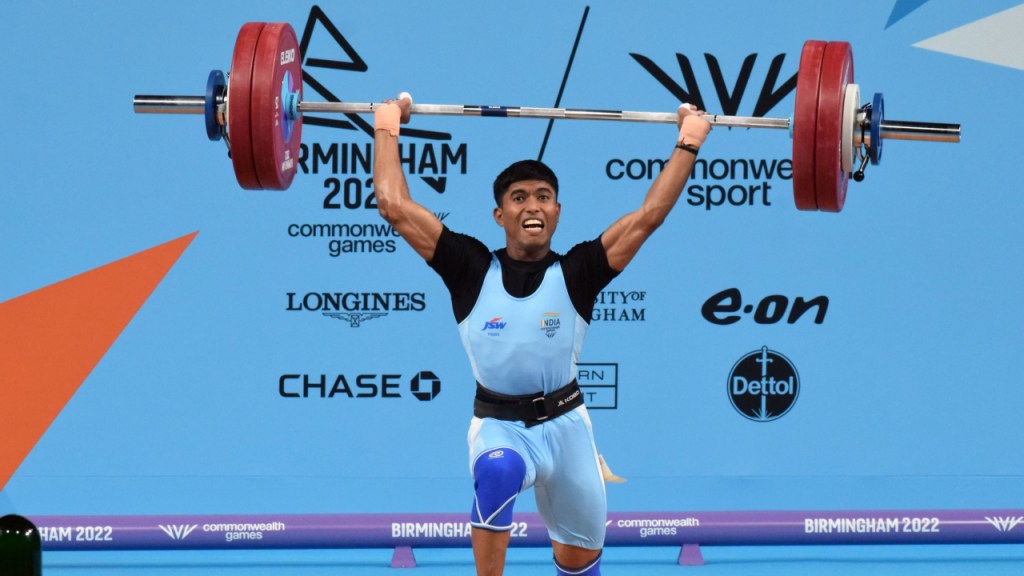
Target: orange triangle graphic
52 338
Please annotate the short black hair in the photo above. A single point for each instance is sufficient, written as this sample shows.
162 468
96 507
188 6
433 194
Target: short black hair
523 170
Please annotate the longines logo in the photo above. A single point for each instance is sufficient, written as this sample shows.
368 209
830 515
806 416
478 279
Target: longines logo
355 319
355 308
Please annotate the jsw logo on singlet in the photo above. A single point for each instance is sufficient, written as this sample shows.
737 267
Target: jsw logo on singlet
494 324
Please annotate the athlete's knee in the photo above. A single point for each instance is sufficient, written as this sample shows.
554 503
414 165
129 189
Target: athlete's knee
498 476
592 568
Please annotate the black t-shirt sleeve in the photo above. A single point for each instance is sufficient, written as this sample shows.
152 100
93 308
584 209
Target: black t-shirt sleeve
587 272
462 262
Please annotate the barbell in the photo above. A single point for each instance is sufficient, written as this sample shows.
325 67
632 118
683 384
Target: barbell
257 108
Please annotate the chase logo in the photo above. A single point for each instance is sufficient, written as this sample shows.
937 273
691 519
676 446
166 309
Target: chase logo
425 386
763 385
550 324
494 326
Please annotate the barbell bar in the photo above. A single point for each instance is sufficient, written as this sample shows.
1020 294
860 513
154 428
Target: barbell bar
258 109
146 104
890 129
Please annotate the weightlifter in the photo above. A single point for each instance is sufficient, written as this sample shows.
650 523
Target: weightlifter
522 312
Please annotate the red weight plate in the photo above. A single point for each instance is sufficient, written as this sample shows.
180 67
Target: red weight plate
805 124
239 105
277 71
831 179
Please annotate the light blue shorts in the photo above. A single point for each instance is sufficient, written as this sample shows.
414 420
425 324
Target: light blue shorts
561 465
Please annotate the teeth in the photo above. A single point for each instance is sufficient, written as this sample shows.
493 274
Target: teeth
533 223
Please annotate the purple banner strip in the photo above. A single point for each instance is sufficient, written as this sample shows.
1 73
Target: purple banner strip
296 531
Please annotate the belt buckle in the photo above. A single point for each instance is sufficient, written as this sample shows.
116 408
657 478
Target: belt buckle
541 408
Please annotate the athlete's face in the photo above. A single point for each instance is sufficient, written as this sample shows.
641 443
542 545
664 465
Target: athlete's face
529 214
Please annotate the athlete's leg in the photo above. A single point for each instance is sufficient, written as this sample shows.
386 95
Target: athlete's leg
500 473
498 477
572 498
489 550
576 561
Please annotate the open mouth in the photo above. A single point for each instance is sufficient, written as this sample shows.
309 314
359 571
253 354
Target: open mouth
533 224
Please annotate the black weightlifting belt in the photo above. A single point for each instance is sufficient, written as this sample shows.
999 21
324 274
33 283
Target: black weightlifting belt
532 409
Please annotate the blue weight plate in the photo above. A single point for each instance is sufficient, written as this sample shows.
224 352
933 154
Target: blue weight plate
215 86
877 116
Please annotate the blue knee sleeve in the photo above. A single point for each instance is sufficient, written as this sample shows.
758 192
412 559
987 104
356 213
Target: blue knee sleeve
592 569
499 476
